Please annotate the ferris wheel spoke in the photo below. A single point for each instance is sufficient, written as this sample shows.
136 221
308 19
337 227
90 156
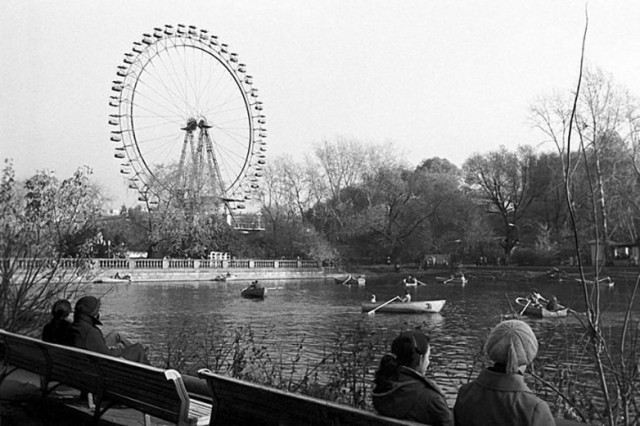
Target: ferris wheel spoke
172 89
156 107
174 85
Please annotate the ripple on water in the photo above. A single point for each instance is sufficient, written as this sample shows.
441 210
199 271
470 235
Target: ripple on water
322 314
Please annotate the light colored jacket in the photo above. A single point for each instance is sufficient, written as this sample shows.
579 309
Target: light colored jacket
499 399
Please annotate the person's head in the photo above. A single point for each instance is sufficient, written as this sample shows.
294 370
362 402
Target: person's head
410 349
513 344
88 305
61 309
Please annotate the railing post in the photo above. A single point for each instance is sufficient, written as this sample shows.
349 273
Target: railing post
196 263
252 264
165 263
276 264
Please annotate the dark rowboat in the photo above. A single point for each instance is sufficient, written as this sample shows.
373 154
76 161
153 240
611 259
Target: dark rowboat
253 292
540 311
423 307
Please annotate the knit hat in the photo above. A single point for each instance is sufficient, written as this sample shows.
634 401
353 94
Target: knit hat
88 305
513 344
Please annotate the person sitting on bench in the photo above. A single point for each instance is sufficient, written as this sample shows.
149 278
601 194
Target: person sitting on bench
58 330
85 334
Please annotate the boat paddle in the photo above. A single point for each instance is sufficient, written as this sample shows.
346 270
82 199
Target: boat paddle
526 306
421 283
373 311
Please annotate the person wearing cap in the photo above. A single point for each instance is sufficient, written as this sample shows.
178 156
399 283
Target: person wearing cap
499 395
402 390
58 330
86 334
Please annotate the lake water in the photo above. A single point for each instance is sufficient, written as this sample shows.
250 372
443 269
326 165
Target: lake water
319 312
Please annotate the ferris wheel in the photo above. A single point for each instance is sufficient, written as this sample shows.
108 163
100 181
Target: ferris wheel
187 123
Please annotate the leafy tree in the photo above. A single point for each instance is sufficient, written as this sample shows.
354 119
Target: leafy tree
42 221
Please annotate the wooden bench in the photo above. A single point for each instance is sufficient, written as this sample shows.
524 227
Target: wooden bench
236 402
112 381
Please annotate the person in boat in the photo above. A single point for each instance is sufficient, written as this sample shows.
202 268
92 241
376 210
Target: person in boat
499 395
402 390
58 330
536 298
373 298
553 304
410 280
85 334
406 298
122 277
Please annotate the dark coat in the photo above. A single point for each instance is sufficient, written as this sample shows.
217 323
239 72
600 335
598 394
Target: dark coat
500 399
58 330
414 397
86 335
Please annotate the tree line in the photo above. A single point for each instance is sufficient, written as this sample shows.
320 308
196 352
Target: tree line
347 199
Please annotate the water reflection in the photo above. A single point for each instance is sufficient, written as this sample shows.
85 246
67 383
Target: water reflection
320 312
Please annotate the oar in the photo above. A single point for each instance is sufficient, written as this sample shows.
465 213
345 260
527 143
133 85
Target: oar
421 283
373 311
526 306
446 281
274 288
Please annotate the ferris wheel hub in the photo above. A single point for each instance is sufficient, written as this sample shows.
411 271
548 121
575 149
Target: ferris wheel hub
192 124
203 124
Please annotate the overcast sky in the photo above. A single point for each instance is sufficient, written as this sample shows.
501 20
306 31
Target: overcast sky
436 78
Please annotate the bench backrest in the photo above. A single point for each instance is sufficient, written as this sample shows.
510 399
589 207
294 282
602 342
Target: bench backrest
160 393
236 402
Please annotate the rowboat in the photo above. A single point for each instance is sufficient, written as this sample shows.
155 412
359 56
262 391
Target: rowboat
540 311
602 282
350 279
422 307
253 292
461 280
224 277
412 282
112 280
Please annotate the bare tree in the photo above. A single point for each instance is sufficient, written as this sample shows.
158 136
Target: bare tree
504 180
